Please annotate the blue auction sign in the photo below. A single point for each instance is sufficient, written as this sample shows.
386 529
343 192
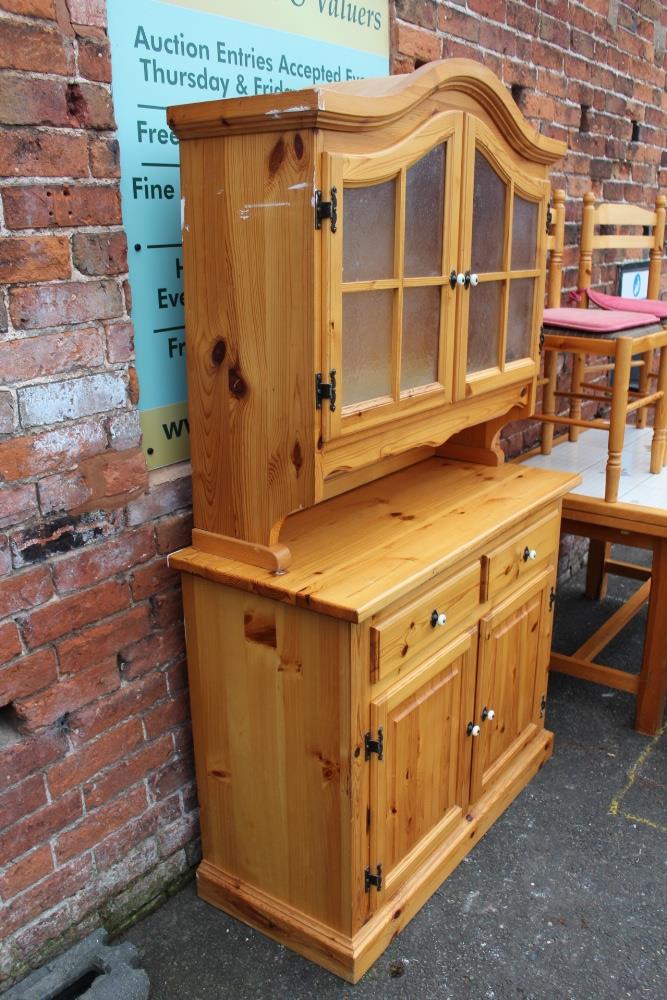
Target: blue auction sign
168 52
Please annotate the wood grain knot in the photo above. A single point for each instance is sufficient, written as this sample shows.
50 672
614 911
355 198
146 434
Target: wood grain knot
260 629
237 385
277 156
298 146
297 458
218 352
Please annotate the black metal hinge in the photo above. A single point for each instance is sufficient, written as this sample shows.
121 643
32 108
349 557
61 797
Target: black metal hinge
550 217
552 599
543 705
325 390
326 209
374 746
541 339
375 880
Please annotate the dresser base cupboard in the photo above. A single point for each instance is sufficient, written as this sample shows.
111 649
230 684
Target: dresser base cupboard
362 719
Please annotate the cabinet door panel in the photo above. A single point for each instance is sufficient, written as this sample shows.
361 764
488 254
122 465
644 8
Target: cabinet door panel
420 787
511 667
504 244
397 234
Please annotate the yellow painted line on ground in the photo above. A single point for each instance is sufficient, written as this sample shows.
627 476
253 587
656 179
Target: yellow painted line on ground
633 773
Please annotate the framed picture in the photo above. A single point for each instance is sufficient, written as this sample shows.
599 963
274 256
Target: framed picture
633 280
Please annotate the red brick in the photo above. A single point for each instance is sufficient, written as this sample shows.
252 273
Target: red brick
18 760
44 708
61 884
98 562
421 12
60 304
41 453
115 847
33 47
173 776
180 833
28 100
104 157
22 800
454 21
95 59
156 650
161 499
35 153
167 715
494 9
30 8
128 772
89 12
100 253
418 43
177 677
24 873
89 759
103 481
28 358
27 675
174 532
36 206
99 824
131 699
81 651
150 579
10 645
25 590
120 341
34 258
17 503
67 614
167 608
36 829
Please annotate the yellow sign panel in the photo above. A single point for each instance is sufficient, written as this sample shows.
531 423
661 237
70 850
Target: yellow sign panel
166 435
354 24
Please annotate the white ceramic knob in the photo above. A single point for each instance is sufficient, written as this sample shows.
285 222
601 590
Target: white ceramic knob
474 280
488 713
442 618
460 278
529 554
473 729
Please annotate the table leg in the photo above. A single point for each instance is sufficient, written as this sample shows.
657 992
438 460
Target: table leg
652 693
596 578
660 419
549 398
619 406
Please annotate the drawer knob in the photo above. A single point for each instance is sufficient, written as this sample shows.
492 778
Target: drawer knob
438 618
473 729
474 280
529 554
488 713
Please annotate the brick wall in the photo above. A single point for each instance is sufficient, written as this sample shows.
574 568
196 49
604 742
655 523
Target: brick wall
97 806
97 803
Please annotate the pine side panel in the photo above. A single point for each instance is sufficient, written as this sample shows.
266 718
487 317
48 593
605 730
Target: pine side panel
248 240
270 695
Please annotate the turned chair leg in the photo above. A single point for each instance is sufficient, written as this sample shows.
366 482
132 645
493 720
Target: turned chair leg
644 387
660 418
549 399
619 406
578 366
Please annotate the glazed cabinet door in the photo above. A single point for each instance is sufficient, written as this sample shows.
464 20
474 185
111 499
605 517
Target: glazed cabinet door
503 257
388 307
514 645
421 784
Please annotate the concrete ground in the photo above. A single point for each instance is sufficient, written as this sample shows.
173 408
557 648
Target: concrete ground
565 897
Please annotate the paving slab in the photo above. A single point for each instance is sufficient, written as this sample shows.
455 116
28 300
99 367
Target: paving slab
565 896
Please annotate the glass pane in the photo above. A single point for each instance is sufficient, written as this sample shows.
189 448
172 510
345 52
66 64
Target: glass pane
484 326
368 231
488 218
367 329
524 233
520 318
424 207
421 325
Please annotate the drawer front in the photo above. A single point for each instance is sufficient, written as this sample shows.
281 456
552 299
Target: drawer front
531 549
406 635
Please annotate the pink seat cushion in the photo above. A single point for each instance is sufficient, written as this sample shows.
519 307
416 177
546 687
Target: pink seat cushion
596 320
652 307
